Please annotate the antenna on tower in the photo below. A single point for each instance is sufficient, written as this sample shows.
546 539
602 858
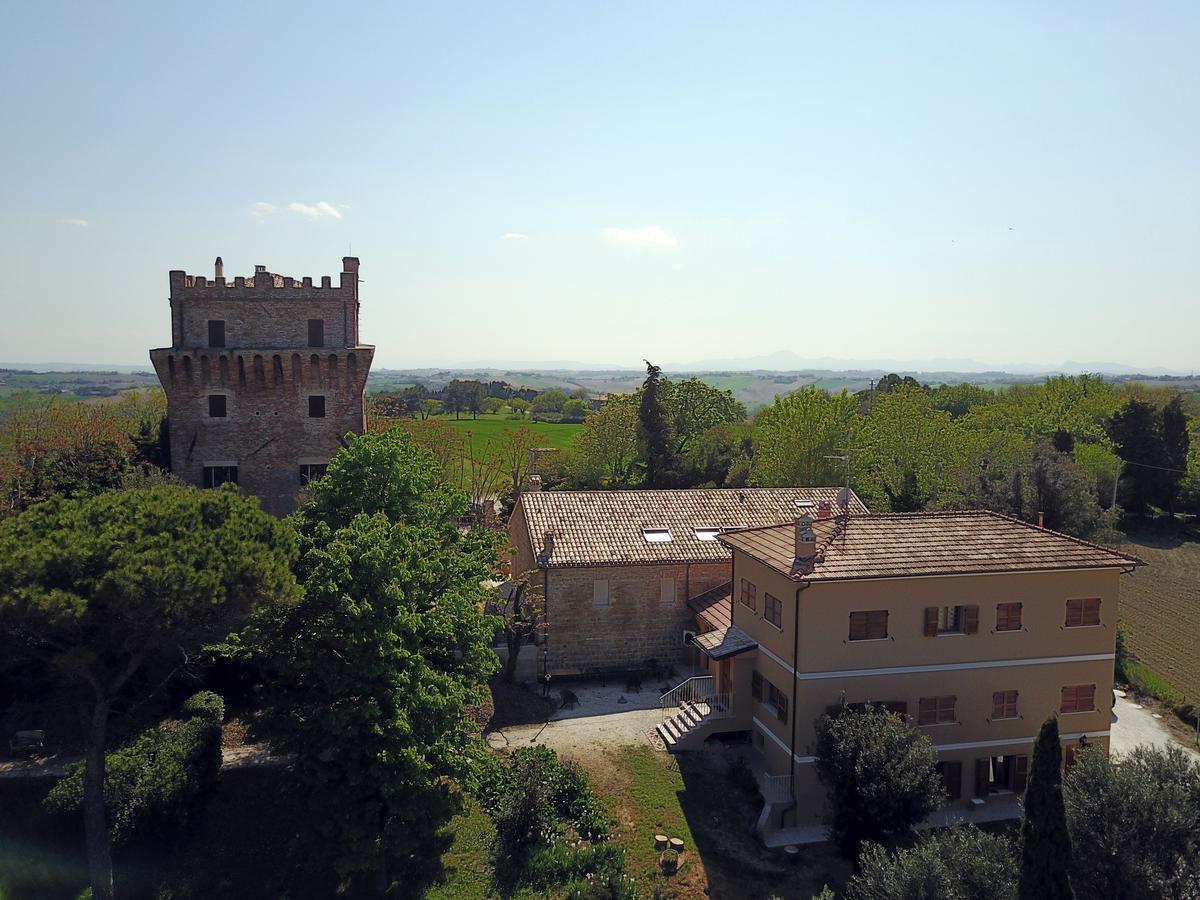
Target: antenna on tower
843 495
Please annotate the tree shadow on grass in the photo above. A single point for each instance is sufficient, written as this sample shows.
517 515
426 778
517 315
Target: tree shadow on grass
721 804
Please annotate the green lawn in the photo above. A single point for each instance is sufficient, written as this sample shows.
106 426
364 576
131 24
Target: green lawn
488 427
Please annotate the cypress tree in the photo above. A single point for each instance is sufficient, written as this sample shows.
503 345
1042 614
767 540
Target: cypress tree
1045 842
654 430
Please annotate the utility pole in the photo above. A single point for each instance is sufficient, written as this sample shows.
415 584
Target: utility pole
1117 480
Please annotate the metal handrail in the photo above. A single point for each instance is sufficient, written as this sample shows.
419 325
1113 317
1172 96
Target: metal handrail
696 689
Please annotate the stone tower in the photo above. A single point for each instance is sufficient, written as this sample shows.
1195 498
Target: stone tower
264 378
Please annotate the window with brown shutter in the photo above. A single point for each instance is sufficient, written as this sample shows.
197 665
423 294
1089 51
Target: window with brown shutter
869 625
1008 616
931 621
749 595
936 710
951 773
983 776
779 701
1020 774
1004 705
1078 698
970 619
773 610
1083 611
756 684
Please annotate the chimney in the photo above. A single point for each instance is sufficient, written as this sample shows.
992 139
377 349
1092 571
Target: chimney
824 510
547 548
533 460
535 484
1041 519
219 268
806 540
260 270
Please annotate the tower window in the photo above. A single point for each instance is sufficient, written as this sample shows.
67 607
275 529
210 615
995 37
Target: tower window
216 332
316 332
217 406
312 471
215 476
316 407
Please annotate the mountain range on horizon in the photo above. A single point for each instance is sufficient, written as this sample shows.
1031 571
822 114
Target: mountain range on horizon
779 361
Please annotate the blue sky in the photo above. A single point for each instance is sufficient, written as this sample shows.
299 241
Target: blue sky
680 181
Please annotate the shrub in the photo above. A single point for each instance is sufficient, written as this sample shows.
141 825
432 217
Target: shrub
881 775
961 863
204 705
157 783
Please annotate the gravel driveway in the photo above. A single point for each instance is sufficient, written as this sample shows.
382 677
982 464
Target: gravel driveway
1133 725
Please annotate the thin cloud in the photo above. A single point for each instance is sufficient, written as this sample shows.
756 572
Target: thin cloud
514 236
78 223
319 210
677 267
651 236
313 211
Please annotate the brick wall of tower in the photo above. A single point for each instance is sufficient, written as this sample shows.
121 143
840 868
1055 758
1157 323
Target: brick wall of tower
266 373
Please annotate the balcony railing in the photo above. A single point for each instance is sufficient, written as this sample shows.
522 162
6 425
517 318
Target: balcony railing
775 788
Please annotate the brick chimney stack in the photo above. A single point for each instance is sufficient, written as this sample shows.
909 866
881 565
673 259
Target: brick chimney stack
219 269
535 484
824 510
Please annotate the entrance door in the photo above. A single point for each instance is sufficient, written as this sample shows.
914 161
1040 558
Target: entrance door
725 678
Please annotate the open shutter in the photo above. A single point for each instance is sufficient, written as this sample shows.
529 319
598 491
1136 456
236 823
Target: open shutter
953 773
1020 775
983 767
970 619
931 617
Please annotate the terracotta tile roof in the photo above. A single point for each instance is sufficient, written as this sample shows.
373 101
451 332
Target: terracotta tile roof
915 544
725 642
607 528
715 606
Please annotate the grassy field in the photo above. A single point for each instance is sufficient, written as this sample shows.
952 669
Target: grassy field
488 427
1160 607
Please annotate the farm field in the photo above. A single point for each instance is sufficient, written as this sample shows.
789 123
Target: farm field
1160 606
488 427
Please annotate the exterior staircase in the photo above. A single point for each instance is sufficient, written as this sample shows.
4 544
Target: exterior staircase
691 711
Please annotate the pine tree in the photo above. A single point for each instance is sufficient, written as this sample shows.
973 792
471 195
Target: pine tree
1045 842
654 430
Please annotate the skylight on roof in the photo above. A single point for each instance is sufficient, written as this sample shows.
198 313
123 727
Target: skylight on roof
706 534
657 535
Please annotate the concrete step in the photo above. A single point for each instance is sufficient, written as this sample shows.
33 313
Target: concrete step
667 737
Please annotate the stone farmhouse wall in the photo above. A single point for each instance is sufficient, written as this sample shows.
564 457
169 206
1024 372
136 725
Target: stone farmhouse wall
637 625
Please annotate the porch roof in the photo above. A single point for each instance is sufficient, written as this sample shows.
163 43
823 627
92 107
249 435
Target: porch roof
714 606
725 642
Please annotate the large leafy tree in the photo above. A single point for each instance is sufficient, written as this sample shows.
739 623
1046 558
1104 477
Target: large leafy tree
656 444
959 863
114 588
694 407
1135 824
797 436
1045 842
366 680
605 451
1136 432
881 775
904 451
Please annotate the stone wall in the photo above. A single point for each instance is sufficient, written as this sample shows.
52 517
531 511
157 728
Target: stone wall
267 374
636 625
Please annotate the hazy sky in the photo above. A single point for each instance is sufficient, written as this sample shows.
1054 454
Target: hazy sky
607 182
